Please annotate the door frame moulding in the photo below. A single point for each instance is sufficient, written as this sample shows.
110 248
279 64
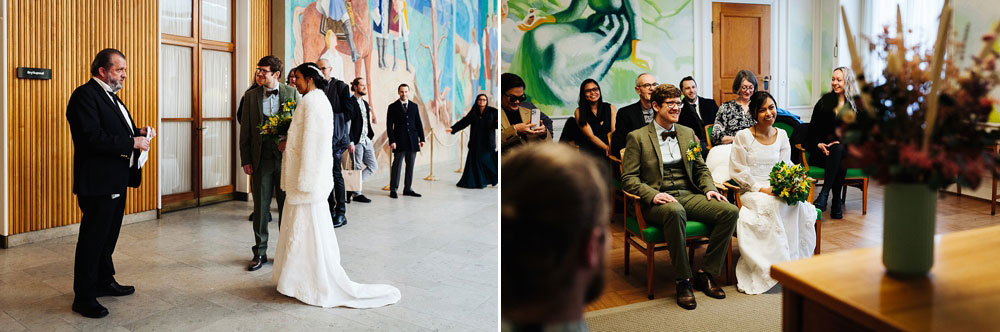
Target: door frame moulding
703 47
4 147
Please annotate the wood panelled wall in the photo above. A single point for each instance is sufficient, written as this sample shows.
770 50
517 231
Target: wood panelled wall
260 36
65 36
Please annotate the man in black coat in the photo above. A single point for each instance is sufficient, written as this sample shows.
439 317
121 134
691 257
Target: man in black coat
697 112
339 94
634 116
406 137
106 149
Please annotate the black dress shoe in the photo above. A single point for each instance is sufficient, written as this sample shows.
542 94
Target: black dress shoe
393 194
685 297
705 283
362 199
348 198
411 193
257 262
837 210
90 308
250 218
115 289
339 220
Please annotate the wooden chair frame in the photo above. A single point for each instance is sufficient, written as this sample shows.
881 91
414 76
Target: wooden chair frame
649 249
857 182
708 134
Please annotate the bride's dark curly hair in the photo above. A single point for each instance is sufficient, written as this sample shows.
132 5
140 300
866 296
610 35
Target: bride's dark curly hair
311 70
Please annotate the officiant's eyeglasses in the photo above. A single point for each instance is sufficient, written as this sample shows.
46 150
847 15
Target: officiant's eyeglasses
647 85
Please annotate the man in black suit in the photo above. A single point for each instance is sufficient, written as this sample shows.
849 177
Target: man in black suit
634 116
362 136
406 137
697 112
339 95
106 149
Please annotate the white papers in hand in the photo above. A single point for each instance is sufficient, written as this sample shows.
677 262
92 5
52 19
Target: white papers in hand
144 155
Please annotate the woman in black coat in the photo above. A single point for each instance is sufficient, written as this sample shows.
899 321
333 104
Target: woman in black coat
481 162
823 140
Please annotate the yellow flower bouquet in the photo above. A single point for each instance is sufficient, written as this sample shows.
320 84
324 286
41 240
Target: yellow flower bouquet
789 182
275 127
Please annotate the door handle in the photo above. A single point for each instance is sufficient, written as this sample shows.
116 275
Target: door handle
200 128
767 81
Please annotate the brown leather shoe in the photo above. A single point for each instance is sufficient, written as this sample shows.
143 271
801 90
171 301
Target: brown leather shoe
705 283
685 297
257 262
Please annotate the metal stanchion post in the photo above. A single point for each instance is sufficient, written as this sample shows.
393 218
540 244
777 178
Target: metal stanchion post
386 188
461 146
430 177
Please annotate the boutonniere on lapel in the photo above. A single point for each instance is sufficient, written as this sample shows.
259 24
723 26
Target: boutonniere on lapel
693 150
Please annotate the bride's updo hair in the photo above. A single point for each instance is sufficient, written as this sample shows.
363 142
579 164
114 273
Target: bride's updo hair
311 71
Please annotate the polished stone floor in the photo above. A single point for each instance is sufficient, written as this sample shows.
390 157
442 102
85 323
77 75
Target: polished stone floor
188 268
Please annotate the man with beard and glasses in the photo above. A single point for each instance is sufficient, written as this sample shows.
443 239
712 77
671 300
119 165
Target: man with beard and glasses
555 237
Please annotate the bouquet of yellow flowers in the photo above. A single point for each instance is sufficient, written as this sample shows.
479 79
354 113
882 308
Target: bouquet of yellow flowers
275 127
790 182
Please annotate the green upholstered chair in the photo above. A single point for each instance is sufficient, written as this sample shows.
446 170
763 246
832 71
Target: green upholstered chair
708 134
855 178
649 239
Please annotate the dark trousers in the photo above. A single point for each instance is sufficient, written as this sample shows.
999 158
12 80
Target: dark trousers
718 215
396 162
834 173
99 229
265 183
338 206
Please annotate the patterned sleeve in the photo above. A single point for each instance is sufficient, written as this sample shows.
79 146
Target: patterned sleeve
720 123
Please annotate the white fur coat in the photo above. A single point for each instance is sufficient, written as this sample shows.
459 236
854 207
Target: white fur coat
307 163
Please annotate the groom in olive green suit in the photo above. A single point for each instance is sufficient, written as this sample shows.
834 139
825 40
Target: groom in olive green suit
674 188
261 158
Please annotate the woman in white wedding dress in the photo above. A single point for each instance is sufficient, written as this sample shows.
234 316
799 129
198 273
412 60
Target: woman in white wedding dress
769 230
307 265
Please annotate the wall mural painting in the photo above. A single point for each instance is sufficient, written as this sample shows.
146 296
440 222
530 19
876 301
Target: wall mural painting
437 47
556 44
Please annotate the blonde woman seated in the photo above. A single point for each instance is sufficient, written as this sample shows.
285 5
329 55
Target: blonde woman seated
769 230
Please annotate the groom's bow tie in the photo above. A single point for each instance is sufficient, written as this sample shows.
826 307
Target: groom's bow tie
666 134
268 93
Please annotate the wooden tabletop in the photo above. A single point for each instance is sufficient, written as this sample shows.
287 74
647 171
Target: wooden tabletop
961 292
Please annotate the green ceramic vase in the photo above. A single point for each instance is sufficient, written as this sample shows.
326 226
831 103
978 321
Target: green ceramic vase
908 233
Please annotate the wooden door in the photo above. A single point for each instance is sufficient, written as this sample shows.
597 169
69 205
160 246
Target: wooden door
741 39
197 97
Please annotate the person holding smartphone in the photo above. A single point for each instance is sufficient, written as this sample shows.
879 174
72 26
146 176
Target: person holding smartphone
518 124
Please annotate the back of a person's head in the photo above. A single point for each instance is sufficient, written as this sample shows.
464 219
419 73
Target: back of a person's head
552 199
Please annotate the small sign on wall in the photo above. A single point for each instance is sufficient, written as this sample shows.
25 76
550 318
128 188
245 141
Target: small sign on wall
34 73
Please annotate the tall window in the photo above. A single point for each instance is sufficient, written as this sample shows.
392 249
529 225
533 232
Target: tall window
196 102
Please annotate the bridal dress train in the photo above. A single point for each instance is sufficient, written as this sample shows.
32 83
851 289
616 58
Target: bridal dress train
769 231
307 263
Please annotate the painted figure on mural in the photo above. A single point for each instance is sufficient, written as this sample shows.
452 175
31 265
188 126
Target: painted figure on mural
380 18
337 19
399 29
308 25
566 48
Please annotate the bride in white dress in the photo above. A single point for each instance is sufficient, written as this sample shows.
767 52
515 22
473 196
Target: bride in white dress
307 265
769 231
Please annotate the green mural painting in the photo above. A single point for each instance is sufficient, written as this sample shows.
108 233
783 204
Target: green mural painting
556 44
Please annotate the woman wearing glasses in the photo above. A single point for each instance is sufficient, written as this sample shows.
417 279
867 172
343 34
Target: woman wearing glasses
595 118
734 115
